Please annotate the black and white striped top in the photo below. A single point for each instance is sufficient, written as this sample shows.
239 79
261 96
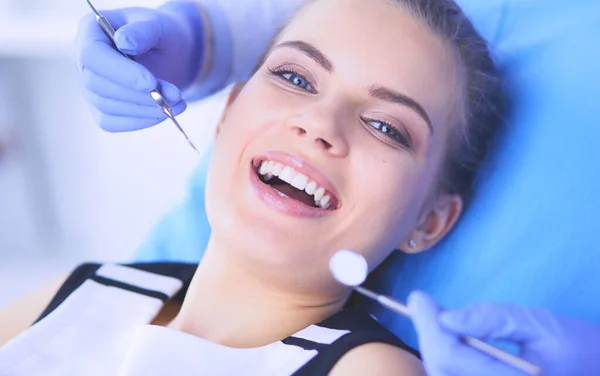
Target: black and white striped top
97 324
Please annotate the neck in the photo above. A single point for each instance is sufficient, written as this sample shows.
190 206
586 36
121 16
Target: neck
231 303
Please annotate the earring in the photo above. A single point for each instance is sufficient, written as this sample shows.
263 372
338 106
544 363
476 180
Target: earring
412 243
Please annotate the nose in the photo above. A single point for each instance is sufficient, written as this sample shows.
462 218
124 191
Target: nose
319 129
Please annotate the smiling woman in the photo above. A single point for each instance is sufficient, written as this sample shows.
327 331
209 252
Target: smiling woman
360 130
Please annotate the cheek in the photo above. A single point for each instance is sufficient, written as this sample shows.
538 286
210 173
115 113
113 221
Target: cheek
258 108
388 198
245 131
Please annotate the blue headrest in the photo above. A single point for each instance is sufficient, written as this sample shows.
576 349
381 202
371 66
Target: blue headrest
529 236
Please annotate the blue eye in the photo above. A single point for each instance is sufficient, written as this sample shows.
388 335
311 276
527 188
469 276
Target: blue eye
297 80
293 77
391 132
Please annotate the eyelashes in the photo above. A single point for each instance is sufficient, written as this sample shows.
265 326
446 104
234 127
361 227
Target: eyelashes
385 131
291 75
390 131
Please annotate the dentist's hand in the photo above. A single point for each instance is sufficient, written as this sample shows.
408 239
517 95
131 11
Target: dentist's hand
167 44
560 346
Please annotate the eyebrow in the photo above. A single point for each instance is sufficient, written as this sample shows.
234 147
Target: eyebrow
391 96
310 51
376 91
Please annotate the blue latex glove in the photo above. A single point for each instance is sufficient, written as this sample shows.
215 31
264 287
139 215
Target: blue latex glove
560 346
168 44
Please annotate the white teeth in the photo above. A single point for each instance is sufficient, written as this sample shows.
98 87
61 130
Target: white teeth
324 202
311 188
300 181
263 168
319 194
287 175
278 168
270 169
281 193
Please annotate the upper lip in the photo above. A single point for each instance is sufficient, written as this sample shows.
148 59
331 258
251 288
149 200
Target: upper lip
301 166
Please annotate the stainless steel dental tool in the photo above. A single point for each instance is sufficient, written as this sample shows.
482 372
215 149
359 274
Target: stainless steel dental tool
351 269
475 343
157 97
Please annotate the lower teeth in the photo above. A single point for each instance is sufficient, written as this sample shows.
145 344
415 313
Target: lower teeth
318 204
281 194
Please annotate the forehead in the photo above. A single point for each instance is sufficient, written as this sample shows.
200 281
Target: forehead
377 42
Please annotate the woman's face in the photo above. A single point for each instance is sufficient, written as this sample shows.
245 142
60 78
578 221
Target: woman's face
355 97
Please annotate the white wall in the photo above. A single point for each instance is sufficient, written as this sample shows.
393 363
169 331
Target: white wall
70 192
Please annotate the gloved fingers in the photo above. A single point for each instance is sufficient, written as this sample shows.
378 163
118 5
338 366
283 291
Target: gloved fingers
434 343
105 61
117 124
90 31
139 37
89 34
119 17
424 311
444 354
105 88
137 29
114 107
169 91
494 321
461 360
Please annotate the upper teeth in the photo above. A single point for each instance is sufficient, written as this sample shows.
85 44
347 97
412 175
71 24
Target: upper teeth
268 169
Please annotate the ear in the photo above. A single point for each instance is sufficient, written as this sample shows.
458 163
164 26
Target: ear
235 92
434 225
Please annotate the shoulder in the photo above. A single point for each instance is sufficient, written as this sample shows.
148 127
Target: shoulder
366 347
378 359
31 308
125 276
36 306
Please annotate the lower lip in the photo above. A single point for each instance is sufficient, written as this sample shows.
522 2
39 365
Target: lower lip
284 205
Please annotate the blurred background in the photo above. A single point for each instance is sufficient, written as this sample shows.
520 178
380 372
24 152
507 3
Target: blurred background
70 192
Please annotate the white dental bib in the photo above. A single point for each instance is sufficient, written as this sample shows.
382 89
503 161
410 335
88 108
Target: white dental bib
99 325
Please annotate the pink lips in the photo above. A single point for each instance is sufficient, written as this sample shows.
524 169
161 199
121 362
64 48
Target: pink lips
302 167
288 205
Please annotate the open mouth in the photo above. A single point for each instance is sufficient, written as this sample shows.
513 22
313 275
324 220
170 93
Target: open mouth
289 183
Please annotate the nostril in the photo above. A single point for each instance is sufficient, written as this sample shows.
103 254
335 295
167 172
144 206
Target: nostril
299 131
325 143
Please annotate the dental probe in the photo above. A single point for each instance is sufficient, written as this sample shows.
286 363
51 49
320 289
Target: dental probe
157 97
351 269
